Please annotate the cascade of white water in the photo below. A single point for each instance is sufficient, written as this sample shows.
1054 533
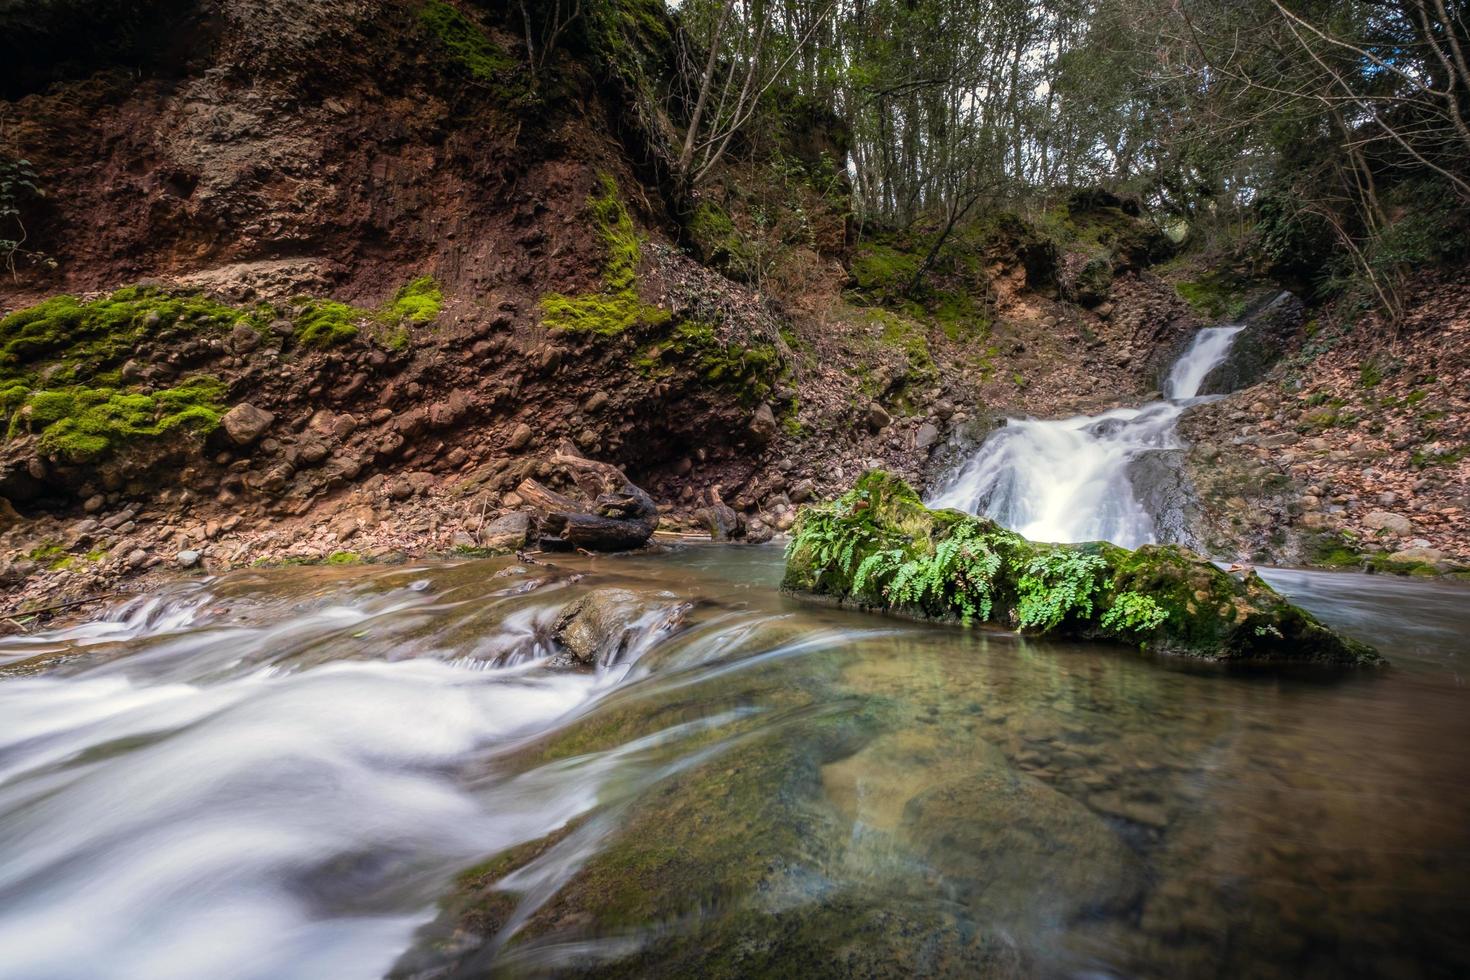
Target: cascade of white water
1067 479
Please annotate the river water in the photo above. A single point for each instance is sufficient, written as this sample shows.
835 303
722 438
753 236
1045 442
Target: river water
347 772
1073 479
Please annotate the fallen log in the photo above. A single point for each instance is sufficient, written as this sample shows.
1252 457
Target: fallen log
620 516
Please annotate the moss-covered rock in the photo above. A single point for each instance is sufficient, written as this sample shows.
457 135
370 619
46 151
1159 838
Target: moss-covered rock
878 547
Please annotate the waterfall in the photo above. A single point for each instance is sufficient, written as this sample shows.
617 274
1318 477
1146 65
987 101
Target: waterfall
1069 479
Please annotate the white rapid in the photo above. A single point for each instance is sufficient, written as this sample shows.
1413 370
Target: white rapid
1068 479
195 787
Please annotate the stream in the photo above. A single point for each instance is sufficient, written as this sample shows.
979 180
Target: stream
357 772
351 772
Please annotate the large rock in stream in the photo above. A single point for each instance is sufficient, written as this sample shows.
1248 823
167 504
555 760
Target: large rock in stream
879 548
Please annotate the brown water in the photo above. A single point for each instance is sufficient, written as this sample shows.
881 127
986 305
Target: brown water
288 774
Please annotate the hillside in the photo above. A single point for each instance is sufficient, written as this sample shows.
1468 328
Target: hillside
330 282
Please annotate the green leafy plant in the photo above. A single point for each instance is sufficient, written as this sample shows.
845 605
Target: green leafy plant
17 182
1054 585
1133 612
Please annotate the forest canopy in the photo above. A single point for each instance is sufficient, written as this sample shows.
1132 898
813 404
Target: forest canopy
1337 132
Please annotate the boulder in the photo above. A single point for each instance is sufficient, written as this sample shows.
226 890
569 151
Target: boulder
1418 556
507 532
1007 841
763 428
245 423
877 417
1269 329
244 338
595 629
1395 524
520 438
878 547
926 436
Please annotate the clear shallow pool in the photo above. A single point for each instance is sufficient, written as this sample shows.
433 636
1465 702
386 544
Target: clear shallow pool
333 772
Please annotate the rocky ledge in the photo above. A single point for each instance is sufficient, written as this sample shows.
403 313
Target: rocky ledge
879 548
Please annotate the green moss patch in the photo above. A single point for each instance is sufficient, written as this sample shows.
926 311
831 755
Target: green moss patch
323 323
327 323
617 306
949 296
84 423
464 42
879 547
745 370
418 302
87 338
1214 296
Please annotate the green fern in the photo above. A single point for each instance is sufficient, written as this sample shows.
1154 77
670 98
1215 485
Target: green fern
1056 585
1133 612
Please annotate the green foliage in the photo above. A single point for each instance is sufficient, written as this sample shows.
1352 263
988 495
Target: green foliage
1134 612
327 323
714 232
83 423
745 370
885 272
418 302
463 41
617 307
17 183
951 576
323 323
344 558
878 545
951 295
1215 296
93 336
1370 372
1055 585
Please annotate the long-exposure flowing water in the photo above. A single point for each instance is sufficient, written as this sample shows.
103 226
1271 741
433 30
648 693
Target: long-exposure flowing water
1069 479
326 772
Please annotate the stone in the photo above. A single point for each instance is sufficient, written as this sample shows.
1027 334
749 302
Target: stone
312 451
462 539
596 401
758 531
244 339
1418 556
802 491
927 435
944 409
596 628
1395 524
762 427
877 417
507 532
94 503
245 423
187 559
520 438
137 558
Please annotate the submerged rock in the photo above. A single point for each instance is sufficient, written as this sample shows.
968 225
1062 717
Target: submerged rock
597 627
879 547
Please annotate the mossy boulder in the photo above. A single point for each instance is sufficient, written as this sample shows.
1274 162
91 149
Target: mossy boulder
878 547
